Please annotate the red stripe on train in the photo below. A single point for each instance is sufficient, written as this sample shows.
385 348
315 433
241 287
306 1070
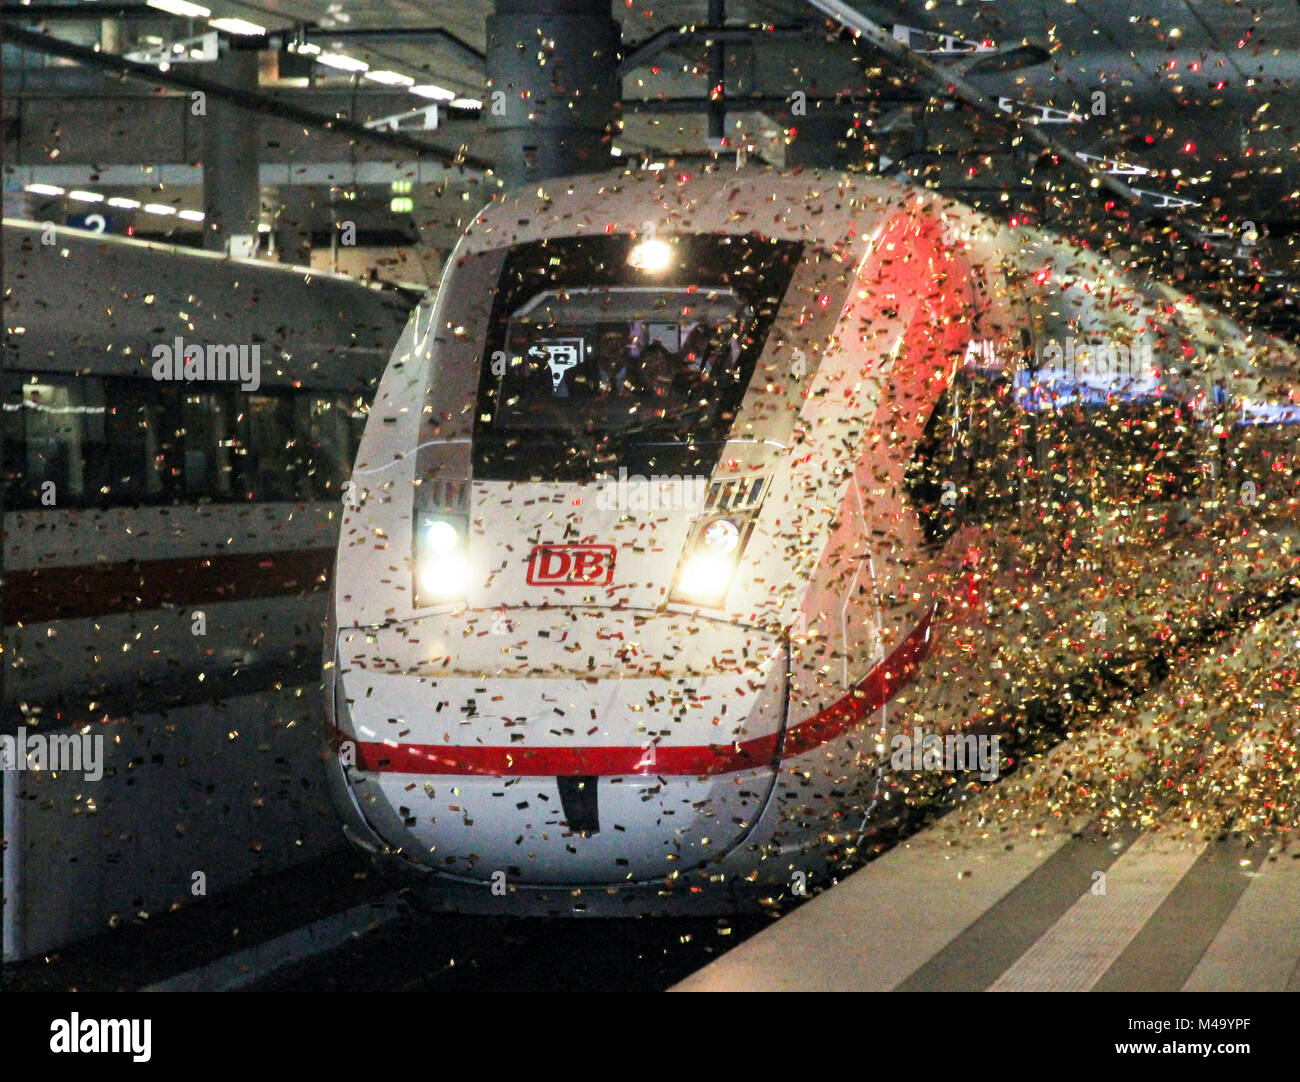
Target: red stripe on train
40 595
872 692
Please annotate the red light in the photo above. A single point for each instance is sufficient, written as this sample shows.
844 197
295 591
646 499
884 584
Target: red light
1189 148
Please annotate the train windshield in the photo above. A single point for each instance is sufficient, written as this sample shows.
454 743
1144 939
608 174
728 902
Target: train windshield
607 352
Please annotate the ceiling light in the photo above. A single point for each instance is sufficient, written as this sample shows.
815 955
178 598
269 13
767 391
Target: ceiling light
651 255
86 197
431 90
237 26
466 103
124 203
158 208
182 8
45 189
342 61
192 215
390 78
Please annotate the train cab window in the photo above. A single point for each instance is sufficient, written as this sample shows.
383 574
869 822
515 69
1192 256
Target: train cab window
603 352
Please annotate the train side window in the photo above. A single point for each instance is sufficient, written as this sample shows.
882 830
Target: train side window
208 423
15 449
46 440
133 458
323 440
266 448
121 442
358 411
964 470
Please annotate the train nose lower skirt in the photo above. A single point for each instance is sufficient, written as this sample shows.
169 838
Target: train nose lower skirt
564 781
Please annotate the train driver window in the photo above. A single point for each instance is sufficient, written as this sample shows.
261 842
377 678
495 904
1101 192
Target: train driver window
593 359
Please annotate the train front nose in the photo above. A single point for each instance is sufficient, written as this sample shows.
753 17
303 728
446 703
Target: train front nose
630 748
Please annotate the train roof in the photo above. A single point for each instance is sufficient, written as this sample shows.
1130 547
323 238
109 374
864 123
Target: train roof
809 205
97 304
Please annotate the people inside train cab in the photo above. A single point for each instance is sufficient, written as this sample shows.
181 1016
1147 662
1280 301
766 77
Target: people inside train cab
698 357
699 349
612 366
656 369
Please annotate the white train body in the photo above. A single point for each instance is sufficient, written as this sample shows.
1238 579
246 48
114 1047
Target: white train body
167 540
605 640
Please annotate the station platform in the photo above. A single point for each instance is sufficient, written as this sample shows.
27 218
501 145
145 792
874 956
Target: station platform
1149 851
1002 915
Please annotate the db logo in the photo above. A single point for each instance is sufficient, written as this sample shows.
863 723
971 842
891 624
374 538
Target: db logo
557 565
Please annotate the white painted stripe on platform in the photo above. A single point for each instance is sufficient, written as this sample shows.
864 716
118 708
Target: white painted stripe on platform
883 922
1078 949
1258 947
236 970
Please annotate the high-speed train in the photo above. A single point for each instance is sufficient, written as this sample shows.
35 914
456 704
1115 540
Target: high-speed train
683 496
164 533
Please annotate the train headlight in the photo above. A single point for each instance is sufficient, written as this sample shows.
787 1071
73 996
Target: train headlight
441 558
705 577
721 536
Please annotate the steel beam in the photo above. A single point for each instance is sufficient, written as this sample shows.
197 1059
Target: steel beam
252 101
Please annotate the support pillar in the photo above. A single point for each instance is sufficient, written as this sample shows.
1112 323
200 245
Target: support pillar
552 68
231 192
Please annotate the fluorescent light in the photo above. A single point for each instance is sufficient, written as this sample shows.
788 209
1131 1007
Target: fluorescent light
431 90
342 62
303 48
45 189
125 204
466 103
183 8
192 215
237 26
390 78
86 197
158 208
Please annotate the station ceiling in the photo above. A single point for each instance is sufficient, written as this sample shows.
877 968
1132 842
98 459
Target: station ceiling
1188 108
